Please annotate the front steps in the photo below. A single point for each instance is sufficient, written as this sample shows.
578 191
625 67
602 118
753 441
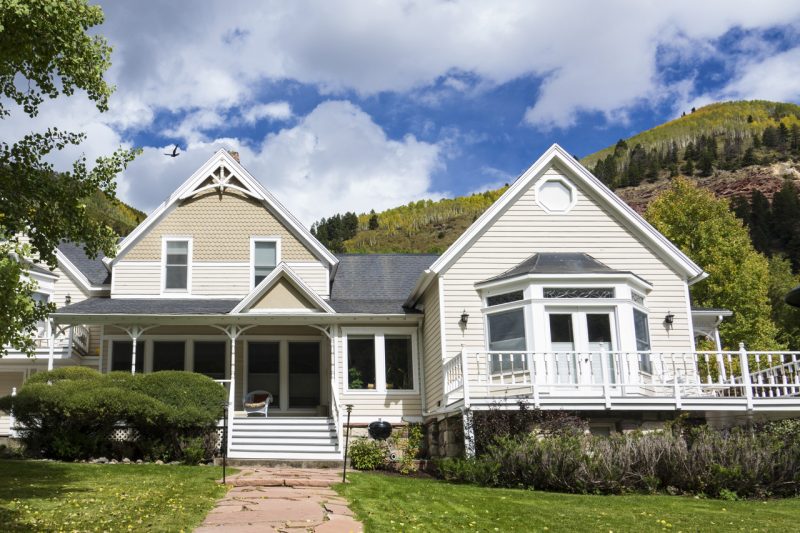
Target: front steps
284 438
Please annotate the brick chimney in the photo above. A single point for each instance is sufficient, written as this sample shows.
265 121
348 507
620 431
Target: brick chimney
234 155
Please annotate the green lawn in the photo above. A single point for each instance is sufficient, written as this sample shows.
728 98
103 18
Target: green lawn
53 496
393 503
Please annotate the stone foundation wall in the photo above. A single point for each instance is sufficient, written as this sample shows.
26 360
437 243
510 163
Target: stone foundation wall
396 441
445 437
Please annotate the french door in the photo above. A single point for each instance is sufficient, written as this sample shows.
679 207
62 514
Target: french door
581 342
289 370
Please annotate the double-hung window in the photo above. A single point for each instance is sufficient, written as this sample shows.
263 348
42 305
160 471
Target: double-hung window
265 258
176 265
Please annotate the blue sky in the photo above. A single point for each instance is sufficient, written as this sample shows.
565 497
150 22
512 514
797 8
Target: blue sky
348 105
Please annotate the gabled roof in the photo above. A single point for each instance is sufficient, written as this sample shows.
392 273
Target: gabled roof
669 253
559 263
223 172
281 272
92 271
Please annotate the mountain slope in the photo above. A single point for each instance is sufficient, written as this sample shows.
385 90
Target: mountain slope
731 148
119 215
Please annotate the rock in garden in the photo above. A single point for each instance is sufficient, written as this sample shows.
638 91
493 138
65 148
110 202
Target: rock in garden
159 462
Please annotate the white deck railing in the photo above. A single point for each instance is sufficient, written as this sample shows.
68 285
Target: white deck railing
613 375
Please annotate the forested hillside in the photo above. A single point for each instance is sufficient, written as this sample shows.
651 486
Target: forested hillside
745 151
119 215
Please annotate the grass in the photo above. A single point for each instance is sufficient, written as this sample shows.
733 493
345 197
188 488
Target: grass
53 496
393 503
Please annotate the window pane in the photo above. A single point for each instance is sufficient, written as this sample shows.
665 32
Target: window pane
176 277
264 259
562 338
361 362
303 374
599 330
399 369
121 352
507 331
263 366
557 292
177 252
209 359
642 340
504 298
168 356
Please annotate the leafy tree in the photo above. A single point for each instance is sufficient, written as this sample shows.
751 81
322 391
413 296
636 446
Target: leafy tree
786 221
707 231
786 317
759 222
46 52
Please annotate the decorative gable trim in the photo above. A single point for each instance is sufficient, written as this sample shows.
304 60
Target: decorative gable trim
282 271
662 246
222 172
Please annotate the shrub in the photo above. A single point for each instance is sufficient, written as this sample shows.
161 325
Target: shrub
410 448
367 454
700 460
71 413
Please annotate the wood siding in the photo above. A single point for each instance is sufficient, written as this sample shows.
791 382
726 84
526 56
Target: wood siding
432 348
524 229
221 227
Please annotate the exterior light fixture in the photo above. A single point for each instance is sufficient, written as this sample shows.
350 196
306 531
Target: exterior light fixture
669 319
464 318
68 300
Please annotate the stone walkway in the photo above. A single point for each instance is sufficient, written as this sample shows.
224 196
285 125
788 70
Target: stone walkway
291 500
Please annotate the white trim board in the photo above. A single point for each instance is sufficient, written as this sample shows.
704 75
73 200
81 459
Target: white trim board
281 271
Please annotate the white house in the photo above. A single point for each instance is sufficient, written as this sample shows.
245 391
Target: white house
559 295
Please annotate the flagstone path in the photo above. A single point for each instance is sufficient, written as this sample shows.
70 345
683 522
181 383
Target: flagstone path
286 500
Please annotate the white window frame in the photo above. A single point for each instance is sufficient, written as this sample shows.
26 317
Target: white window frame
189 266
564 181
379 334
253 241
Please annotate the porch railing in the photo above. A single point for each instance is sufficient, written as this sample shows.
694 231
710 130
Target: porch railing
614 374
75 336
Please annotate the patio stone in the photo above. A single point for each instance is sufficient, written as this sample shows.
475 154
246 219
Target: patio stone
338 509
340 524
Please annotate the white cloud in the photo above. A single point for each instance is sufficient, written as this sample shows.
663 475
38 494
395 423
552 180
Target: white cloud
335 159
270 111
774 78
591 56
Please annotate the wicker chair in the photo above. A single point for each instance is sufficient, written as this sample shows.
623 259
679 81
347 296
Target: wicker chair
257 402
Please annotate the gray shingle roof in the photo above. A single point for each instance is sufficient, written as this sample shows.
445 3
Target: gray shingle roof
378 276
557 263
94 269
152 306
372 307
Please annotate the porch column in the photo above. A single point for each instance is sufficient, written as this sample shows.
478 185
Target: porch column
233 333
134 332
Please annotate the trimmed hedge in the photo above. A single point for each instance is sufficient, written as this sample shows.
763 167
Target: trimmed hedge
71 413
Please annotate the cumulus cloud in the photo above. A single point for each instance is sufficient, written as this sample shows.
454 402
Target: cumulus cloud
590 56
269 111
334 159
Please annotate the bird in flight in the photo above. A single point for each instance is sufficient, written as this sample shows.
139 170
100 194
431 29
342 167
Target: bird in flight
174 152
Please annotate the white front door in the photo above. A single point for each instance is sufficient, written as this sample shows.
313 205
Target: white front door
578 339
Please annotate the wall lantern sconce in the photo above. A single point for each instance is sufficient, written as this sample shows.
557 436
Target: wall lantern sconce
669 319
68 300
464 319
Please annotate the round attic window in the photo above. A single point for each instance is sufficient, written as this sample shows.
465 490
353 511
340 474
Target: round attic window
556 196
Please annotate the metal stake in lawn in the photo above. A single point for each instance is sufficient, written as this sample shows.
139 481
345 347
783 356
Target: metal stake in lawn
349 408
224 444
